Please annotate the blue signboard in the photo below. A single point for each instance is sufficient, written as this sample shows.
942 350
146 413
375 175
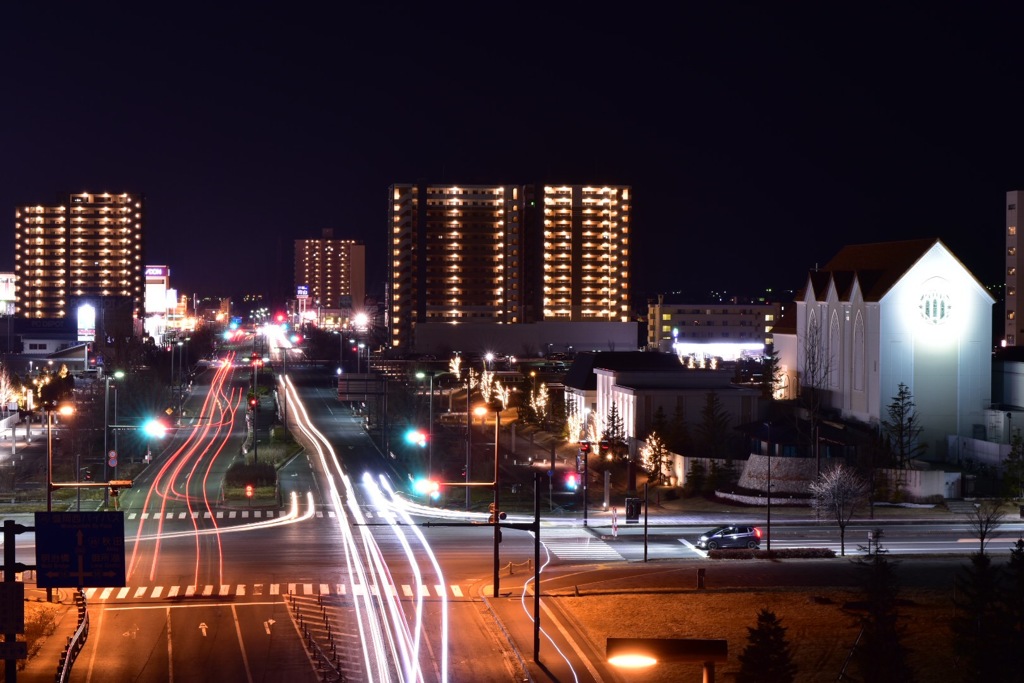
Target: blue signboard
79 549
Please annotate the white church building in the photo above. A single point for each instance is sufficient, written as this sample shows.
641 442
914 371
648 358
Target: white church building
878 315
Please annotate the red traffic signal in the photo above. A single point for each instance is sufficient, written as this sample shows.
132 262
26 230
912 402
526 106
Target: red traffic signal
584 446
254 403
248 491
604 445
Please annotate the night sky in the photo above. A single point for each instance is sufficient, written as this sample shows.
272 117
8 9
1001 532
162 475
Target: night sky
757 140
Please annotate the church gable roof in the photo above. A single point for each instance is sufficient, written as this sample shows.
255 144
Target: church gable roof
878 266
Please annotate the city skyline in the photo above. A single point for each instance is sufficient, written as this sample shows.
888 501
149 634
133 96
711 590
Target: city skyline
757 141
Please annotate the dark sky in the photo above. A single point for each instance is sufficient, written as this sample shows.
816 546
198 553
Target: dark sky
757 140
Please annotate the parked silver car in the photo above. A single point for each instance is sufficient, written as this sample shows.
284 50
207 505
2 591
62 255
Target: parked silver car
730 537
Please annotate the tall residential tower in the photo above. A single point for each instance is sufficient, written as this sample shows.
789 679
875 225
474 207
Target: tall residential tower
506 254
333 270
1013 322
89 245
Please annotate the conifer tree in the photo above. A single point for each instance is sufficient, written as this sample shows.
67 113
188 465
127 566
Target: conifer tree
880 654
767 658
980 624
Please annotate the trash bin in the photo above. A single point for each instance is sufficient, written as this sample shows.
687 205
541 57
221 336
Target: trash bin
632 510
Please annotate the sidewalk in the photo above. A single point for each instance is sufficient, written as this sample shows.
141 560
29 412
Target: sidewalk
42 667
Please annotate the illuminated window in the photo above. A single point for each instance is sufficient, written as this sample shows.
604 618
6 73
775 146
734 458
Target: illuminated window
1012 230
1011 271
1012 251
1010 315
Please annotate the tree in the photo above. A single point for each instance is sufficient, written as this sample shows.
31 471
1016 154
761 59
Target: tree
903 431
880 653
838 492
771 372
1014 602
980 624
654 458
1013 467
817 369
767 657
713 431
985 520
614 435
677 434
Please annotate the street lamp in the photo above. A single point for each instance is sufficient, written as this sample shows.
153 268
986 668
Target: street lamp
768 520
118 374
481 411
65 409
430 423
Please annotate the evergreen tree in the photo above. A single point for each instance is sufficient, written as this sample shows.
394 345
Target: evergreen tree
903 430
713 432
1013 467
980 625
767 658
695 479
880 654
771 372
659 423
1014 602
677 434
615 433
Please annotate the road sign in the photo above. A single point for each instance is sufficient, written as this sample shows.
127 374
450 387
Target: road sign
12 607
79 549
112 458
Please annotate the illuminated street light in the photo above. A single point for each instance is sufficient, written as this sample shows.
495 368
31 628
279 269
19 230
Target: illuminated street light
635 653
481 411
118 374
65 409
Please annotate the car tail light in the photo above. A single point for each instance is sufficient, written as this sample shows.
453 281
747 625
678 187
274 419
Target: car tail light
757 532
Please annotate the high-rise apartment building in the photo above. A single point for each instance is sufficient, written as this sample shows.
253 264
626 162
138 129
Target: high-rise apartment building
506 254
333 270
1013 323
89 245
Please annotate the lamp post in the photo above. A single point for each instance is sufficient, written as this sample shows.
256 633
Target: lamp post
118 374
481 411
497 499
49 407
768 525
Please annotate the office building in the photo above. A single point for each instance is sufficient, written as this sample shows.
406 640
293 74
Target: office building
506 255
723 330
88 246
331 273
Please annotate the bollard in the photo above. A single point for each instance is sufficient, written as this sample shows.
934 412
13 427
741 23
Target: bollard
700 578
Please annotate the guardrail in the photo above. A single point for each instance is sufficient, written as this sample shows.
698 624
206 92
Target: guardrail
75 642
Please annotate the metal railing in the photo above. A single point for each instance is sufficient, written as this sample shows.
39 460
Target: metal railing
75 642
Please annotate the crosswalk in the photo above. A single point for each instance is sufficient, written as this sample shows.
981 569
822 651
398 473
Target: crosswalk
403 591
222 514
574 543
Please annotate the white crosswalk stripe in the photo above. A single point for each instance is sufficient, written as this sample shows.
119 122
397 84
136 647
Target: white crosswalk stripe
406 591
206 514
574 543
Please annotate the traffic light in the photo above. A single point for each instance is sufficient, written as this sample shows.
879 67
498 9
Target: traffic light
604 445
86 474
501 514
572 482
416 437
427 487
155 428
254 403
248 490
584 446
